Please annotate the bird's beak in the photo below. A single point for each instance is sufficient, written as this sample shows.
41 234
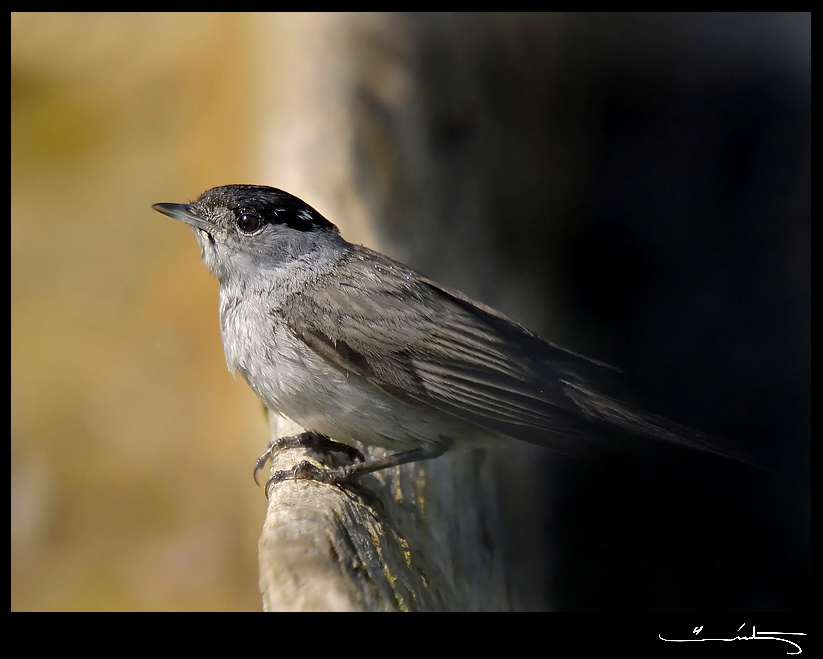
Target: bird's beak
184 213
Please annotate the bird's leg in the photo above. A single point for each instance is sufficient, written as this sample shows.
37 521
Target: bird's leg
310 440
304 470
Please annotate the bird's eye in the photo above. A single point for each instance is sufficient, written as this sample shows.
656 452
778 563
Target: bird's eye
248 222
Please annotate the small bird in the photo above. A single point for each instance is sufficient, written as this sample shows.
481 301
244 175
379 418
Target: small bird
362 350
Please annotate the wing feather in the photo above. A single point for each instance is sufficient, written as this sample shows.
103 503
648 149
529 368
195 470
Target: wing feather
429 346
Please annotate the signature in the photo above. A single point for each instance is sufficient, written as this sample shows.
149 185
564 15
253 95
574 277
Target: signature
756 636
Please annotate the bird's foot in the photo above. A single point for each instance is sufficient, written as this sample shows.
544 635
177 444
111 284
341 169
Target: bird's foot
309 440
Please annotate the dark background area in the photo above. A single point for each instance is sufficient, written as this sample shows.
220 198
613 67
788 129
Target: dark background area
694 255
646 179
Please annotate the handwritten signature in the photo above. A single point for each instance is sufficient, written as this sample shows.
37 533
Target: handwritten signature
756 636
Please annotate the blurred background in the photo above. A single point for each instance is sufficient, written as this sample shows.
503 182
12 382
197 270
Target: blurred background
635 187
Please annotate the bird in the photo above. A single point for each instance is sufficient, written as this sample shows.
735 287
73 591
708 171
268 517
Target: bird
360 350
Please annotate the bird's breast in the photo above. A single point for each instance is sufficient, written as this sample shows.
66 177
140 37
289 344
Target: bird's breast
294 381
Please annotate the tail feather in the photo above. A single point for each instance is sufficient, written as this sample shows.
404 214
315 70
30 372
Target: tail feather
602 409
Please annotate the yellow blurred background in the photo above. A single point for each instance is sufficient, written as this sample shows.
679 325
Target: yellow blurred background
132 447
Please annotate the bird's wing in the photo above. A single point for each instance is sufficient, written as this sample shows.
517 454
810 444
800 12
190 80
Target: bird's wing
427 345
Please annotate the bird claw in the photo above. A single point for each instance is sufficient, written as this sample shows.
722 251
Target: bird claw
305 470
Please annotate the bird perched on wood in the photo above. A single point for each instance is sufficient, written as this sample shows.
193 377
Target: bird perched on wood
356 347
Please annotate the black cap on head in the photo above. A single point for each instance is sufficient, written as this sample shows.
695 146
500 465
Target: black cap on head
271 205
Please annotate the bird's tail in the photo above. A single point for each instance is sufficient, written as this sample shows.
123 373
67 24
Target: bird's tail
601 409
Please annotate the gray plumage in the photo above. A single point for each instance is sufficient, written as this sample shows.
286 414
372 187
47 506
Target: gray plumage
353 345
